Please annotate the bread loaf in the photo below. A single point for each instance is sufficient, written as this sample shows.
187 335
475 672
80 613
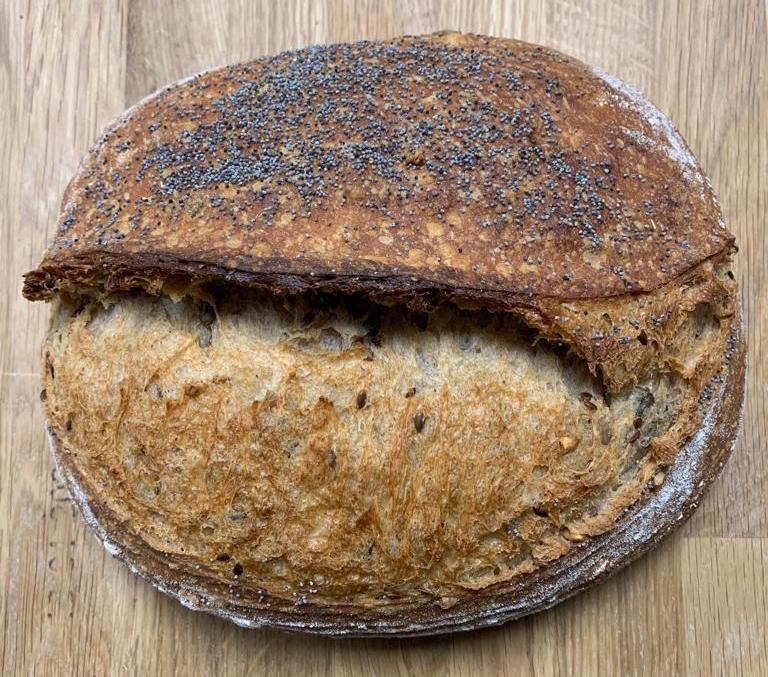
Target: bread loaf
389 338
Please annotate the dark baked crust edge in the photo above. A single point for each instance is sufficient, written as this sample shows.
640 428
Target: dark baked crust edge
698 463
152 271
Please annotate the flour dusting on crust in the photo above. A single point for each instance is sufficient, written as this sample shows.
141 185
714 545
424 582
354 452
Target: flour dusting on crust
674 145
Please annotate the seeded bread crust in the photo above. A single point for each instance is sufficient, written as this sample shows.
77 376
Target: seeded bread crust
479 169
437 182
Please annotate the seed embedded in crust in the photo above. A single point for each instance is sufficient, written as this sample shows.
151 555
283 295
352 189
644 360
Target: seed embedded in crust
193 389
418 421
658 478
410 392
568 443
586 400
362 398
573 536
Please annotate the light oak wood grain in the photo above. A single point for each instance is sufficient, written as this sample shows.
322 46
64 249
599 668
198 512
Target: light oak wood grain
698 605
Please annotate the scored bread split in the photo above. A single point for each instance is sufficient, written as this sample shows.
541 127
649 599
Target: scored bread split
394 337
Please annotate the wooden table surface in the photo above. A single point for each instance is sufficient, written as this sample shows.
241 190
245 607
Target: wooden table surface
697 605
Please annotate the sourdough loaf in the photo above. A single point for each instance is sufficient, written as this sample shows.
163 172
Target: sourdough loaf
391 337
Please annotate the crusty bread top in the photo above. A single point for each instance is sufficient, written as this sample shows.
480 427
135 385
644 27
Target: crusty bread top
453 165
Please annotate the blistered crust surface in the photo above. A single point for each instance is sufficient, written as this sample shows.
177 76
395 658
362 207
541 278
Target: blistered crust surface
443 162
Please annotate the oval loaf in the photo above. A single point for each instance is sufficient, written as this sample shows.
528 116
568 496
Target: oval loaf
391 337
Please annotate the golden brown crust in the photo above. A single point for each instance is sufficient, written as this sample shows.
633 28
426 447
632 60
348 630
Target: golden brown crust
459 166
313 447
673 496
